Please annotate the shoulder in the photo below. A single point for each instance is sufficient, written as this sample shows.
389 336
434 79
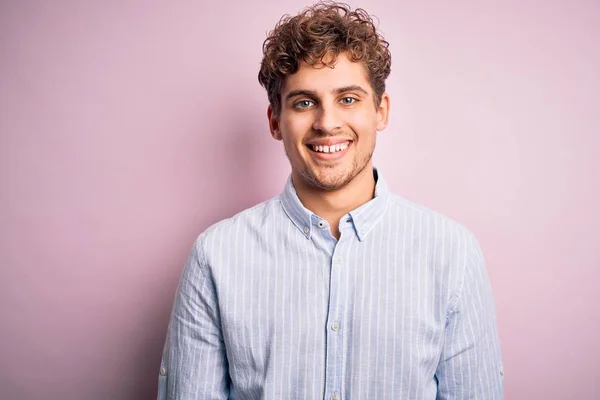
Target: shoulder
226 230
441 225
459 256
454 249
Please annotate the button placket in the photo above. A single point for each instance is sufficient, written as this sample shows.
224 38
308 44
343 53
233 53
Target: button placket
335 336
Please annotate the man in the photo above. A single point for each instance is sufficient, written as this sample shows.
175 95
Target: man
336 289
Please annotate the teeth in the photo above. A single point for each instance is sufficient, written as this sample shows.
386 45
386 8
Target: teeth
330 149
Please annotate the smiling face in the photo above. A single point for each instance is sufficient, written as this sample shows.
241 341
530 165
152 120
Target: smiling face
328 123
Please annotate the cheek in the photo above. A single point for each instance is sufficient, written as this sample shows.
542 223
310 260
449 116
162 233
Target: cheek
292 142
363 116
364 125
294 131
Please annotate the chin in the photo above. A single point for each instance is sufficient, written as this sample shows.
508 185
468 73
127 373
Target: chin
328 182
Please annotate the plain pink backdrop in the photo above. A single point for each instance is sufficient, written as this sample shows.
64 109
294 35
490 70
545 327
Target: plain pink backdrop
127 128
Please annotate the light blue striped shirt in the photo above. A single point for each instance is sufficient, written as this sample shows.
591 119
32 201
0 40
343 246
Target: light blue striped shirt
272 306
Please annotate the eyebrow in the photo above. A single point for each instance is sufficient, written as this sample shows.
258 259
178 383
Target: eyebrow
313 95
351 88
300 92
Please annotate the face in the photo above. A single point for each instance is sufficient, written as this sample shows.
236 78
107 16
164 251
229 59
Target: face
328 123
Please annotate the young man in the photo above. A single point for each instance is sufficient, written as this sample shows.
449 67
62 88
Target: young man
336 289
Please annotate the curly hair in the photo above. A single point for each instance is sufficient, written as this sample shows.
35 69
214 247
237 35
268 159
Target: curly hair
323 30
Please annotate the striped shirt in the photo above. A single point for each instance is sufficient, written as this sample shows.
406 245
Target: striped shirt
271 306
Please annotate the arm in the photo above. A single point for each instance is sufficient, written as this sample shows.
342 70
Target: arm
194 363
471 364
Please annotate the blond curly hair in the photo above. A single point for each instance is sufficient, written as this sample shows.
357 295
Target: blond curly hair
323 30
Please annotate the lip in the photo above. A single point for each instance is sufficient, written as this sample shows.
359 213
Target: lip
329 156
327 141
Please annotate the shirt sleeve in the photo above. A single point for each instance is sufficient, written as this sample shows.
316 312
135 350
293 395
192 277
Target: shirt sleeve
194 363
471 363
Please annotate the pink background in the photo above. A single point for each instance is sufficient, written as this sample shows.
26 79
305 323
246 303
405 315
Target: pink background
126 128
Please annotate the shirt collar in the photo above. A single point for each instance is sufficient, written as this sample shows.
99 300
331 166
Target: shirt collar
364 218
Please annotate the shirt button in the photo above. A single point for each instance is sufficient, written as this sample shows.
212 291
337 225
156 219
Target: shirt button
338 260
321 224
501 371
334 397
163 371
335 326
306 229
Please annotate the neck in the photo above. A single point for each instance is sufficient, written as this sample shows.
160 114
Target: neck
332 205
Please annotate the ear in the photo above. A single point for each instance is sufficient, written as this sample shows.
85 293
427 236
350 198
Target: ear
273 124
383 112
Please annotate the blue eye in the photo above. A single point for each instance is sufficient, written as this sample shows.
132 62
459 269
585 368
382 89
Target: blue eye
304 104
348 100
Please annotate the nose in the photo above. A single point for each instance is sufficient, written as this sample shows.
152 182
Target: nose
327 120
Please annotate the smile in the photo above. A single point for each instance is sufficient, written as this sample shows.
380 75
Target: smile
330 149
329 152
334 148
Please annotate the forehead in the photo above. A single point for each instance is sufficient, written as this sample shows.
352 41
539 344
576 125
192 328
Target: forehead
323 79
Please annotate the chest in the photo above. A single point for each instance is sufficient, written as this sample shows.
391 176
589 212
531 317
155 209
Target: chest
298 311
378 289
